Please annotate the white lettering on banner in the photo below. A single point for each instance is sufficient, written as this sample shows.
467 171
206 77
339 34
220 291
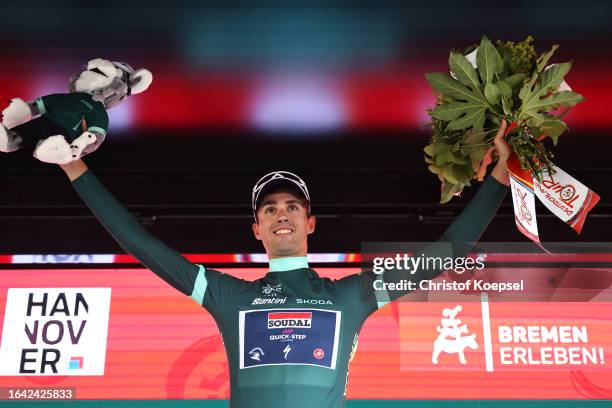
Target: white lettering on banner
524 209
543 334
547 355
551 355
55 331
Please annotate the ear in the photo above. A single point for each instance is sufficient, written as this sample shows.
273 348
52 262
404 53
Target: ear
140 80
256 231
310 224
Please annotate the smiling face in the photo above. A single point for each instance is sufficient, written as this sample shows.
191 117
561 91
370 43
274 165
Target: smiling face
284 224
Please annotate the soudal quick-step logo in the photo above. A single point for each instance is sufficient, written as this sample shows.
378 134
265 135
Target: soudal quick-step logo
282 320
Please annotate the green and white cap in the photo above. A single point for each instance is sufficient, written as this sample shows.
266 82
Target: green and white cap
274 181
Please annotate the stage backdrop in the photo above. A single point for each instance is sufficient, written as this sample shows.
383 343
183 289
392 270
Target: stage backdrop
143 340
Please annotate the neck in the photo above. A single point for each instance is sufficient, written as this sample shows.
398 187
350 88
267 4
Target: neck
288 263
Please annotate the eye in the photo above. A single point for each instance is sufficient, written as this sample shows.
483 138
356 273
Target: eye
269 210
98 71
293 207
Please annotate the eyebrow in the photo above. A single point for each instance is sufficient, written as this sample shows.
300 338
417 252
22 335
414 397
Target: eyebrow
272 202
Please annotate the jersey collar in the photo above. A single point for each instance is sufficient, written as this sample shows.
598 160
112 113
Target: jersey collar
288 264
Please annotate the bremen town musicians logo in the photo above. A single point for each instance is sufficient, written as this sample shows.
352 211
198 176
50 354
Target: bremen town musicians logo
451 337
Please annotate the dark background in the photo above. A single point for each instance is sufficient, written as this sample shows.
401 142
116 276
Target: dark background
332 90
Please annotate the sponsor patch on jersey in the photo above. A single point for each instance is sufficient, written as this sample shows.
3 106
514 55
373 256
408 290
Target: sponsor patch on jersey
286 320
289 337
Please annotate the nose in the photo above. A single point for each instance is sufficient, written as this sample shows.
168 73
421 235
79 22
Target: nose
282 215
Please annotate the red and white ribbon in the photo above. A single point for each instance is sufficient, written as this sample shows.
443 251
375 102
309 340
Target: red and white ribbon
563 195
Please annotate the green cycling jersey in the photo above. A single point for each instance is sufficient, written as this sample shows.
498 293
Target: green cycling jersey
290 334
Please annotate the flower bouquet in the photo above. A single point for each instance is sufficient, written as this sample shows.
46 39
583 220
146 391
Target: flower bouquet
494 81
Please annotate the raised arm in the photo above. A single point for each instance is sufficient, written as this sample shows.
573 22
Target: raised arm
74 169
457 241
164 261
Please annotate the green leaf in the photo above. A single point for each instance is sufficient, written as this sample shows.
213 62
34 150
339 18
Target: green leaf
504 88
551 78
472 137
540 65
553 129
450 111
435 148
515 81
488 60
455 175
458 159
460 174
476 156
449 174
468 172
471 104
464 71
429 160
434 169
474 119
537 120
448 190
556 100
449 87
429 149
544 58
492 93
444 157
506 107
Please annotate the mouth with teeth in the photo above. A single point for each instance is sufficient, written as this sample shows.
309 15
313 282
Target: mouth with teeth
283 231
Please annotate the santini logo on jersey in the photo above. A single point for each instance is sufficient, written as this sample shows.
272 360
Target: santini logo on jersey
281 320
269 301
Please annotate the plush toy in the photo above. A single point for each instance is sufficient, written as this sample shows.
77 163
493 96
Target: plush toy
74 124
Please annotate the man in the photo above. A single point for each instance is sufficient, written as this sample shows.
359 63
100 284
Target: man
289 335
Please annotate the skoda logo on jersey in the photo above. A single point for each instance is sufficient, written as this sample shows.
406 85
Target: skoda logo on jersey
271 290
87 104
283 320
314 301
